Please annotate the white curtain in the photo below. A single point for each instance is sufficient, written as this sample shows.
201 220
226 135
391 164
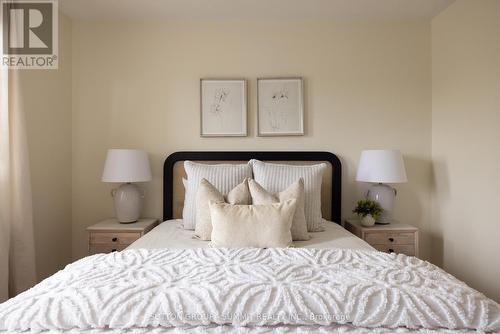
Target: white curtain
17 249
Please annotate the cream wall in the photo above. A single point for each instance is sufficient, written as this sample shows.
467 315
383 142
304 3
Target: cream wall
136 85
465 142
45 97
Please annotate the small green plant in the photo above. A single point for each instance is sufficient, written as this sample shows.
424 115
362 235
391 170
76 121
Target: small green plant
367 207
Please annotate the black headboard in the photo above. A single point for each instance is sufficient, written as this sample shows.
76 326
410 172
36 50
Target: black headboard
168 171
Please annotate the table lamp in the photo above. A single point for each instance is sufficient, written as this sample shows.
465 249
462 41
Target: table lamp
381 167
127 166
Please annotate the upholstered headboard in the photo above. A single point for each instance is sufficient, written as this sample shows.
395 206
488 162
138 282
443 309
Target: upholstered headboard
173 172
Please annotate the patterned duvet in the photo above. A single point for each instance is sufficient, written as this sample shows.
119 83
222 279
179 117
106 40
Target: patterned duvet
265 290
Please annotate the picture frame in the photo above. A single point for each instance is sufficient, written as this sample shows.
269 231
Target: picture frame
223 107
280 106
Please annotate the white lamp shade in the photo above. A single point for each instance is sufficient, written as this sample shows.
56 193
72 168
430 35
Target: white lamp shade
126 166
381 166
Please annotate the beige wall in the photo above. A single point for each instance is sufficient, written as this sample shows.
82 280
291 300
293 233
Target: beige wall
465 142
136 85
46 101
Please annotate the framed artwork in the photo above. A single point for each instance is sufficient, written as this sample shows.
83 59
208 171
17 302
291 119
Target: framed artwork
223 107
280 104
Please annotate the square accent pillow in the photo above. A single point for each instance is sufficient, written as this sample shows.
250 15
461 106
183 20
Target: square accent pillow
206 193
276 178
224 177
261 226
296 191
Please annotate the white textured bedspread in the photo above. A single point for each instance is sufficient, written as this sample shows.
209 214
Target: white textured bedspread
249 287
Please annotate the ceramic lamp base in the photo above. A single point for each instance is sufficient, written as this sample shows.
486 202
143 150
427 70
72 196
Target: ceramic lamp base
384 195
128 200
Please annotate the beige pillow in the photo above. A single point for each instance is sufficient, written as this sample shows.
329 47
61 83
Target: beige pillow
295 190
259 226
207 192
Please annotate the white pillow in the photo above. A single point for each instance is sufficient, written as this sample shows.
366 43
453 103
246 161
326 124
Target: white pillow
206 193
259 226
275 178
224 177
296 191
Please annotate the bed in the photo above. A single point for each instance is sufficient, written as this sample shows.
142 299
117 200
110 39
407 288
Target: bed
170 234
169 282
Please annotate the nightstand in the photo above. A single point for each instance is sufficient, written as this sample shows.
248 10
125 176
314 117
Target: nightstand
111 236
395 237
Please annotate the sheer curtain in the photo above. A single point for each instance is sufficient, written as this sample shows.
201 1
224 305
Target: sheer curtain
17 249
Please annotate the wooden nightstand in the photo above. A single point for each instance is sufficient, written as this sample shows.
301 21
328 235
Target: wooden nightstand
391 238
111 236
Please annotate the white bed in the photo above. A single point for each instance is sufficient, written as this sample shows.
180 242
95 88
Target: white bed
170 282
170 234
213 290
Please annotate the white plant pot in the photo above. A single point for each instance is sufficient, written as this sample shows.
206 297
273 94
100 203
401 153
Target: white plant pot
367 221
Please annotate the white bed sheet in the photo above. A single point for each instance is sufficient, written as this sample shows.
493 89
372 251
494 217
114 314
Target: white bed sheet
170 234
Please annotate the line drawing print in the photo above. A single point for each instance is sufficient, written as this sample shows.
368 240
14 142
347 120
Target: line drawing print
278 112
280 106
217 108
223 107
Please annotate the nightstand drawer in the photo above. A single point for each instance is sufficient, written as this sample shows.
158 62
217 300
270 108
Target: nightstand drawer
390 238
111 236
114 238
105 248
403 249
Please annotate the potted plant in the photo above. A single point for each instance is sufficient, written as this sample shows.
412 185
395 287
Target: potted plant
368 211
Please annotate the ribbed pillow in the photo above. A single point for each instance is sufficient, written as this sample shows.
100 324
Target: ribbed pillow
276 178
295 191
259 226
206 193
224 177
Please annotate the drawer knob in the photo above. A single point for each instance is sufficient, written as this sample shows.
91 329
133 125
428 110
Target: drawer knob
115 239
391 250
391 239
